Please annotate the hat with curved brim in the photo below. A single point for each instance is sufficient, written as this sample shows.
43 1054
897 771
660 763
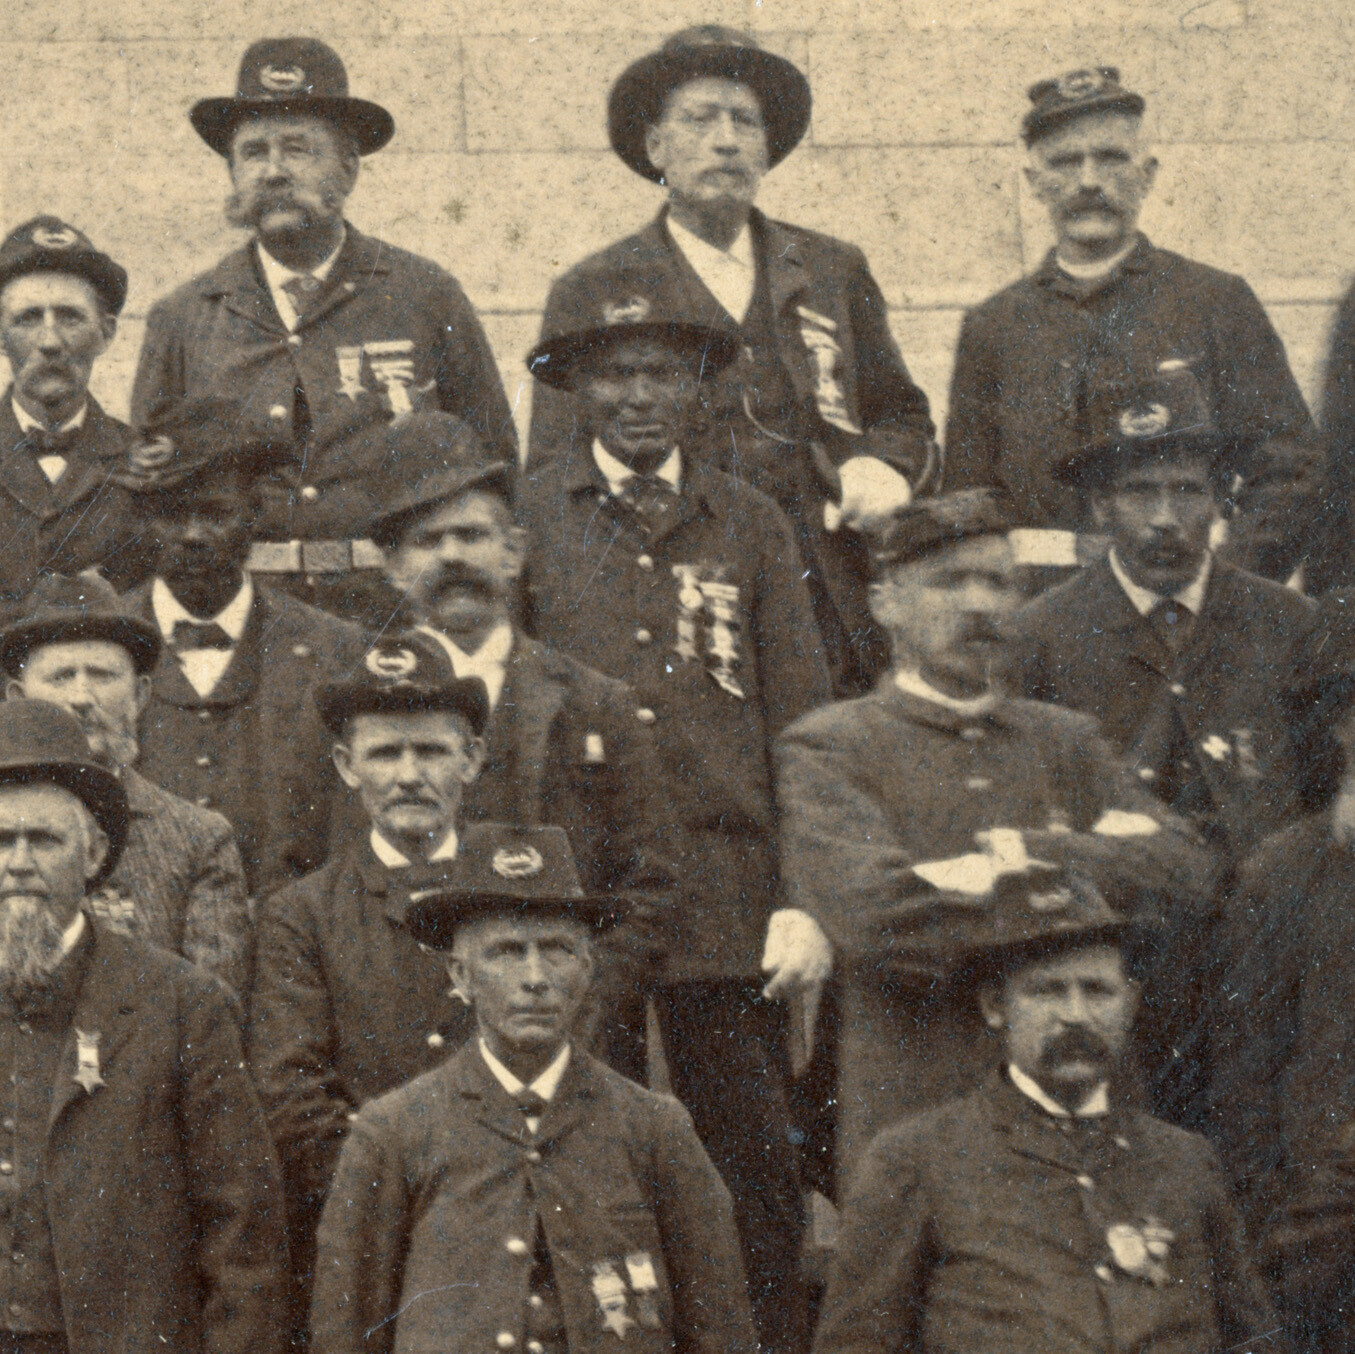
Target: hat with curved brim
1075 94
292 75
46 244
63 610
503 870
42 744
707 50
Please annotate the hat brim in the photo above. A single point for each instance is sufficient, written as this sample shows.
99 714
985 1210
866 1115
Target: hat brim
433 916
992 962
1037 125
108 279
140 638
1096 464
386 527
97 788
636 100
370 125
338 702
554 360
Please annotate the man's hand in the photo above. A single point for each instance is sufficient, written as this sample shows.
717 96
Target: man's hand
872 491
798 956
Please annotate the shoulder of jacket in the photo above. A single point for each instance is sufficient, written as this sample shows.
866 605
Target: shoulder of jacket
1044 719
832 721
303 618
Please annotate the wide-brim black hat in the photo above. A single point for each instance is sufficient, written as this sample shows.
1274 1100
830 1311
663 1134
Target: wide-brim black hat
63 609
47 244
555 359
40 743
292 75
503 870
708 50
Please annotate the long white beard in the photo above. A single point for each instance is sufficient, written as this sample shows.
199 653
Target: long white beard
30 944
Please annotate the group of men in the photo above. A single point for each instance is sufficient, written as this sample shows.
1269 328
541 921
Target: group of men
474 792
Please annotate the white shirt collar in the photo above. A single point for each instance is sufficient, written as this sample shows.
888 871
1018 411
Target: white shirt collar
232 618
910 680
277 275
70 937
489 662
395 859
1191 596
618 474
1086 272
1093 1107
545 1085
729 274
27 423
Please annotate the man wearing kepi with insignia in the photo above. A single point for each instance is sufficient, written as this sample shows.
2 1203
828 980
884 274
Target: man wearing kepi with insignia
818 411
323 332
902 810
1108 307
523 1196
652 566
60 509
139 1193
1041 1213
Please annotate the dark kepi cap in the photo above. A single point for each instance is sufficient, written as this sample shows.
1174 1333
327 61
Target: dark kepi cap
931 523
1162 415
47 244
432 458
637 98
1056 102
292 75
62 609
632 305
503 870
40 743
193 441
410 674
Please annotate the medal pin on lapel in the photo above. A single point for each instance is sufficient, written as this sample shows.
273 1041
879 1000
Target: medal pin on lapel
87 1072
609 1288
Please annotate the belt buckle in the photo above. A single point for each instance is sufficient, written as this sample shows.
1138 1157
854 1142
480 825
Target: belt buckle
274 557
326 557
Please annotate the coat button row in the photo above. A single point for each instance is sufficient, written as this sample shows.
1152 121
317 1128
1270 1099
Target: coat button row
535 1347
435 1040
645 715
278 411
310 493
6 1168
505 1339
643 636
646 562
515 1245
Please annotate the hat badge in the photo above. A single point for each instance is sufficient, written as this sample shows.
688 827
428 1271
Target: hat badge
282 79
518 862
1056 900
1145 421
392 664
47 238
1080 84
626 312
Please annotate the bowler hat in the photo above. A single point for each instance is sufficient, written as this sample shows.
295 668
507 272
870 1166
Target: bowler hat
1163 414
47 244
629 305
706 50
40 743
410 674
61 609
292 75
504 870
931 523
1074 94
433 457
194 441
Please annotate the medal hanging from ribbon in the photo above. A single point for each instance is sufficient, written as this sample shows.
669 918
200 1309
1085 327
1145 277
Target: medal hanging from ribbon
87 1073
718 602
609 1288
645 1284
816 332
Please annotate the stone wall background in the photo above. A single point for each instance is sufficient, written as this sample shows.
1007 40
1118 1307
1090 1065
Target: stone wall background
500 168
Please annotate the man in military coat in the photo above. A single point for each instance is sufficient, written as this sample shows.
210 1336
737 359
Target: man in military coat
523 1195
1107 307
818 411
324 333
902 809
1042 1213
60 508
230 724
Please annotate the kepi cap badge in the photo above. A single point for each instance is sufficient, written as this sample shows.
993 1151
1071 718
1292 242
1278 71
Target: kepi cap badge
282 79
391 663
518 862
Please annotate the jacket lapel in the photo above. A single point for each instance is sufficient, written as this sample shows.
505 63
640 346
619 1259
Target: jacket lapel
358 264
518 735
238 281
476 1086
20 475
779 252
1111 610
88 468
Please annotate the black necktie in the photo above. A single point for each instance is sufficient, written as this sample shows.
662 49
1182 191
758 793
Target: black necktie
48 442
303 291
650 499
532 1105
1172 622
200 635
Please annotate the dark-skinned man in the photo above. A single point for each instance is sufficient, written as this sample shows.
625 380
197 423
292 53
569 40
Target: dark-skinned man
324 333
60 509
524 1196
901 810
818 411
139 1191
179 882
683 581
1107 307
231 724
1042 1213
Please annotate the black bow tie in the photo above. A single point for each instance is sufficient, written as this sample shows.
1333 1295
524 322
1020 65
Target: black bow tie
48 443
532 1105
200 635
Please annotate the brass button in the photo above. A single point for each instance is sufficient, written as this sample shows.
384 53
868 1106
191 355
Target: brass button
537 1301
203 761
505 1339
1086 1182
204 714
310 493
515 1245
1103 1273
646 562
278 411
9 1125
6 1168
645 715
25 1027
435 1040
643 636
535 1347
1177 689
533 1155
294 340
1147 773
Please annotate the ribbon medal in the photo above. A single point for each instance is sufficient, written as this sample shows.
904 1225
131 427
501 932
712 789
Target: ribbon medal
645 1284
703 594
609 1288
87 1073
816 331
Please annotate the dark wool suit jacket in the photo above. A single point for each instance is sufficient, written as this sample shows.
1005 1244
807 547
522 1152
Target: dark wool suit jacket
982 1228
161 1185
438 1176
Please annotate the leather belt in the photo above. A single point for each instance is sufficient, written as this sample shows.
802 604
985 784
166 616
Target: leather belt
313 557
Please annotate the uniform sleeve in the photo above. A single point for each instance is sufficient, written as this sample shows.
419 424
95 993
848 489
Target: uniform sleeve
363 1241
159 370
711 1313
873 1303
216 923
972 442
1335 565
233 1182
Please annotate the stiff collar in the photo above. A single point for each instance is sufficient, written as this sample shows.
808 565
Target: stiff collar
911 682
618 475
1095 1106
544 1085
395 859
232 618
1094 272
1138 260
277 275
489 662
1191 596
27 423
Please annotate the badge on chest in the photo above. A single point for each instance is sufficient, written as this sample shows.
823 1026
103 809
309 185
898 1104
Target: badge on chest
708 623
388 364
